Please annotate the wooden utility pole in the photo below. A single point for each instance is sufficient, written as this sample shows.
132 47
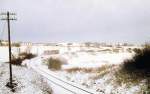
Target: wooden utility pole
7 18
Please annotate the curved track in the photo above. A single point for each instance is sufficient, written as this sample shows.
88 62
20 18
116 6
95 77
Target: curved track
68 87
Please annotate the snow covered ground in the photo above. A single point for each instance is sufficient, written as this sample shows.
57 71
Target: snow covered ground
28 81
92 80
101 81
96 59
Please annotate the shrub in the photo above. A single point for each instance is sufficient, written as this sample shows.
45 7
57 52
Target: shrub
22 56
136 69
54 63
26 55
16 61
140 62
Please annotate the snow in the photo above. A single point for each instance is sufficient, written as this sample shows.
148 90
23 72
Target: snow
84 59
3 54
61 84
32 81
29 82
99 85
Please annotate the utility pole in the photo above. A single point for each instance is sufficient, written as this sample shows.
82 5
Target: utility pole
8 18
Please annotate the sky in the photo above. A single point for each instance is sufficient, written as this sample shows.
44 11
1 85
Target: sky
78 20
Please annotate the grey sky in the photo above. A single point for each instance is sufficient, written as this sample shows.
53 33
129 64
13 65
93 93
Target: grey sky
79 20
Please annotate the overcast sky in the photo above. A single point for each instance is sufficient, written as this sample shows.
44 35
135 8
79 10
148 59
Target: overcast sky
79 20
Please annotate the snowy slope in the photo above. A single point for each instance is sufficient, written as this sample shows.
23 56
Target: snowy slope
29 82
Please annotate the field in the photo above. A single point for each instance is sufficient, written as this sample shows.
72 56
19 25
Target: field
94 68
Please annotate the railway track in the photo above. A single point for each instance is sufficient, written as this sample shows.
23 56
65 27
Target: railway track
65 87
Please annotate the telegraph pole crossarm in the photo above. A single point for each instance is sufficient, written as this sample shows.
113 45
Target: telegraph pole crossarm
7 15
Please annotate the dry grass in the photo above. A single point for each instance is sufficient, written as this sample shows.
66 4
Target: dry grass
96 72
124 77
99 75
90 70
87 70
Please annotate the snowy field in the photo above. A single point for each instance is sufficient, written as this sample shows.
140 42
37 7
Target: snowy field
92 80
82 61
89 68
92 60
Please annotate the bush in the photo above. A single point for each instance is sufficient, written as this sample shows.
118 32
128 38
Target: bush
136 69
22 56
26 55
16 61
140 62
54 63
